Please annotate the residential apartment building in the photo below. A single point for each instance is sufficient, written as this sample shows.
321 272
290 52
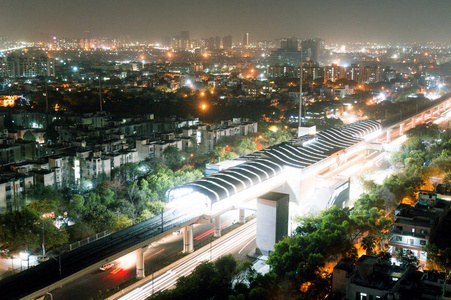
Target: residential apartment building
12 187
334 72
25 65
371 279
415 226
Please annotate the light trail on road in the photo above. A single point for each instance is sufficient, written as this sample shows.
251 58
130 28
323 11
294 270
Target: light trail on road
210 231
220 248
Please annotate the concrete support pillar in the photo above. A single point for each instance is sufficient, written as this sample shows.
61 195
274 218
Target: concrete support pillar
422 117
388 139
188 246
217 232
272 220
413 122
401 129
241 216
140 264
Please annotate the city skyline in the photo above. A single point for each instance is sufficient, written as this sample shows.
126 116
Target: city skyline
335 21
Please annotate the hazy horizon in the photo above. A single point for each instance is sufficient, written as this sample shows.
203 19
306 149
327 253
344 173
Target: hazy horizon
342 21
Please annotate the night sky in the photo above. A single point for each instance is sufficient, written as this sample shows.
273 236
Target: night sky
333 20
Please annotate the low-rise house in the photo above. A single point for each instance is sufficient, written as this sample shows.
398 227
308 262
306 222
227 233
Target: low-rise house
415 226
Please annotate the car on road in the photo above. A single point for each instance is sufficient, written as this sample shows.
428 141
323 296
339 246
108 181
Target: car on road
177 232
107 266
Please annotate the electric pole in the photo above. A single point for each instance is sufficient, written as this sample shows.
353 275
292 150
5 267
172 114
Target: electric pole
100 95
46 95
300 94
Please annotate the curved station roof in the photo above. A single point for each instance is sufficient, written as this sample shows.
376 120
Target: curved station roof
299 153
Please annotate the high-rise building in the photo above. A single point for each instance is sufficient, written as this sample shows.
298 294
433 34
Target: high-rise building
389 74
227 42
29 65
184 35
217 42
176 42
367 74
185 42
334 72
87 42
311 70
210 43
288 54
354 72
245 40
315 48
3 67
290 44
3 42
372 74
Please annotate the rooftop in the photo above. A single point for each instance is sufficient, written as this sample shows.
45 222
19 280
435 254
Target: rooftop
263 165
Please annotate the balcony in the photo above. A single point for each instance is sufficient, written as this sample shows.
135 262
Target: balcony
409 233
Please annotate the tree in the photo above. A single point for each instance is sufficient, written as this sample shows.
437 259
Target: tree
438 260
136 197
369 185
99 218
426 131
116 185
403 186
41 192
121 222
245 146
397 158
389 198
54 236
51 136
441 164
317 240
414 162
76 206
29 136
129 172
208 280
408 259
369 244
92 201
173 157
17 228
80 231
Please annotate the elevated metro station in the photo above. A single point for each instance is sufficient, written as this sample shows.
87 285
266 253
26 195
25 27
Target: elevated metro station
292 167
304 169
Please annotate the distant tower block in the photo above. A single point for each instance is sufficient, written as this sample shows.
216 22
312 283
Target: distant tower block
272 220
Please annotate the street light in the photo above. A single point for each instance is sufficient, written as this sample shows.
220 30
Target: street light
43 237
